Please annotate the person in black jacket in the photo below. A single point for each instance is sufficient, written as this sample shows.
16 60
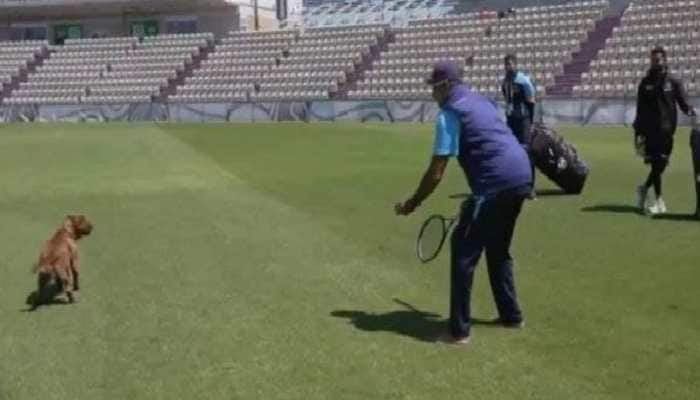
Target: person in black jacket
655 124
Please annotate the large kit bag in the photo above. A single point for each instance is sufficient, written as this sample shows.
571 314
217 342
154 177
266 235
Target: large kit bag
557 159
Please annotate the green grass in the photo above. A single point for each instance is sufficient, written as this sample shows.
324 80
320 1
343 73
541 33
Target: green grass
262 262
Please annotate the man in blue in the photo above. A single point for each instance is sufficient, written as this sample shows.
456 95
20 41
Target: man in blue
498 171
519 94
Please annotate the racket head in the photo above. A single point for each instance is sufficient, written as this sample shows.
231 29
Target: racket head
432 236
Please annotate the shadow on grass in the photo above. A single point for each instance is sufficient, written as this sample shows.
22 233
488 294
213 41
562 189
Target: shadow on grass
489 323
34 305
420 325
613 208
553 193
627 209
678 217
539 193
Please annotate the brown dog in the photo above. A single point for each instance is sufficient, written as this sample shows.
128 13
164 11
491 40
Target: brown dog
59 264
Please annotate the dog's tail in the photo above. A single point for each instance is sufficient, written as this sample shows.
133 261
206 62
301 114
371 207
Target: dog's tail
43 294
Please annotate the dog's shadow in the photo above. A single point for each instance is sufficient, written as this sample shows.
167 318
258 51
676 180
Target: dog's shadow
34 304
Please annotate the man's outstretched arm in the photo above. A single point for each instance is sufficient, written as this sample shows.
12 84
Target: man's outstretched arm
431 179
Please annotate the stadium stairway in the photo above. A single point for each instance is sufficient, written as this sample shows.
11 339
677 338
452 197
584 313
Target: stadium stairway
6 89
365 65
189 70
581 60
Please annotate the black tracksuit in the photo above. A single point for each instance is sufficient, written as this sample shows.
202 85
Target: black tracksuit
657 117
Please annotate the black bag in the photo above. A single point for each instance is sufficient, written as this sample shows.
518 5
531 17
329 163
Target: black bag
557 159
695 149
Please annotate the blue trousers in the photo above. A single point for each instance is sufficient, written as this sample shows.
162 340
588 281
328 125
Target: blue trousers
485 225
521 130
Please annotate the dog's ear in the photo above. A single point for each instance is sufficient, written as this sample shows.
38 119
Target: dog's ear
82 224
81 220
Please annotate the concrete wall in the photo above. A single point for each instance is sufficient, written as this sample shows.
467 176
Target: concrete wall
476 5
113 26
4 32
267 15
218 22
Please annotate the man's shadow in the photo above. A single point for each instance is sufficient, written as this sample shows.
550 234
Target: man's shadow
677 217
554 193
613 208
420 325
538 192
627 209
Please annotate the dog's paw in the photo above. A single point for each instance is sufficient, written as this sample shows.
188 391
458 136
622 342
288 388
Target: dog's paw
62 298
73 297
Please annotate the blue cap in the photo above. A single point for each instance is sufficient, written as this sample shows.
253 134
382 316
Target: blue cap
444 71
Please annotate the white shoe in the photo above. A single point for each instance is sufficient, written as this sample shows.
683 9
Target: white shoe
652 208
658 206
641 197
661 206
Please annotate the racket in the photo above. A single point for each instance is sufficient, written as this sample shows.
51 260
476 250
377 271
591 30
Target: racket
432 236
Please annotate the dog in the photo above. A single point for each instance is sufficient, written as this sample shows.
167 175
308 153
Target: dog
58 267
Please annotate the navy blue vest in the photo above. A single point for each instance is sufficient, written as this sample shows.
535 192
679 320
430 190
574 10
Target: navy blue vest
489 153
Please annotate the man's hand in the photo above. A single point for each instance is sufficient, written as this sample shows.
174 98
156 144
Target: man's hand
431 178
405 208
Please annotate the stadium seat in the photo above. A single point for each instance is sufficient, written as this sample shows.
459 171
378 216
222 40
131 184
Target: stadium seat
121 69
644 25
